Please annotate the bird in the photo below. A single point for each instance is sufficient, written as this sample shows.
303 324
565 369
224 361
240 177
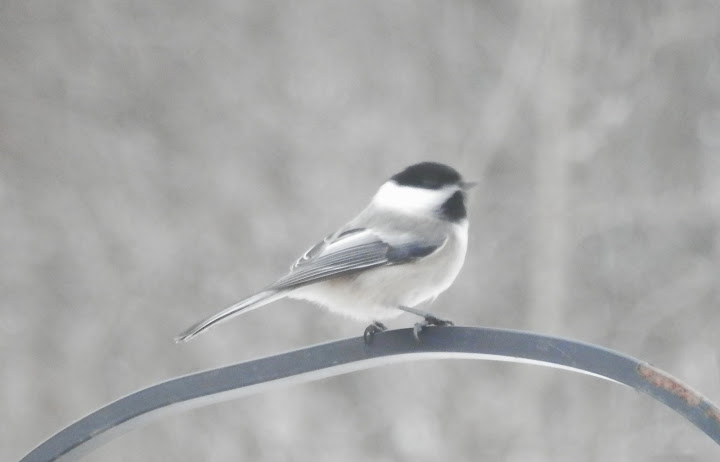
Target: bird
404 249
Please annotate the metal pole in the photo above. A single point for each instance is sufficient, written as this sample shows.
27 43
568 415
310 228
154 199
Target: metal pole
343 356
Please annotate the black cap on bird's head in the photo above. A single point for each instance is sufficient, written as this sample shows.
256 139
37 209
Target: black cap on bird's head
430 175
426 188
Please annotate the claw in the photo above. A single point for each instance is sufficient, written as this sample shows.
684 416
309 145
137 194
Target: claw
429 321
371 330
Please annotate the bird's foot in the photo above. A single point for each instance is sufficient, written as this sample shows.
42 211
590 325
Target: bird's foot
429 320
371 330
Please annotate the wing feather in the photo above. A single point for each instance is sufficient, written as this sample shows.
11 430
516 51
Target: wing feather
349 252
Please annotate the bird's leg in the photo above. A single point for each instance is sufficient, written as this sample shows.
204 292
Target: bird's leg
371 330
428 320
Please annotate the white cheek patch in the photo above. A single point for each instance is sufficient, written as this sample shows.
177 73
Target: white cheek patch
409 199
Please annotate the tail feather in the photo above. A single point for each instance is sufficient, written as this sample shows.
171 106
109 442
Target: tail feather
249 304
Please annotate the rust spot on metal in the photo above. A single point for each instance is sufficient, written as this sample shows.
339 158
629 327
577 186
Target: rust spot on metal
670 384
713 413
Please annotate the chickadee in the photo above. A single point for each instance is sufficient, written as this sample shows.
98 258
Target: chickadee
405 248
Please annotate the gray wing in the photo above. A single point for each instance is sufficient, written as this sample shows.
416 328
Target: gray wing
318 248
352 251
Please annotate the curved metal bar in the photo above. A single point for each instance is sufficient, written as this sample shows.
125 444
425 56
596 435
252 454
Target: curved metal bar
352 354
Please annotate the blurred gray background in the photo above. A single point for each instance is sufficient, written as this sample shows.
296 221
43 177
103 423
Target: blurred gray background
161 160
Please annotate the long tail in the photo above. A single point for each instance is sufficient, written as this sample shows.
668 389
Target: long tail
249 304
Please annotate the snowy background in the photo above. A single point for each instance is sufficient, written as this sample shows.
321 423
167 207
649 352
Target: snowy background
160 160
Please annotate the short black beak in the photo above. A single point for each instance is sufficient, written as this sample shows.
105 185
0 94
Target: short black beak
465 185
